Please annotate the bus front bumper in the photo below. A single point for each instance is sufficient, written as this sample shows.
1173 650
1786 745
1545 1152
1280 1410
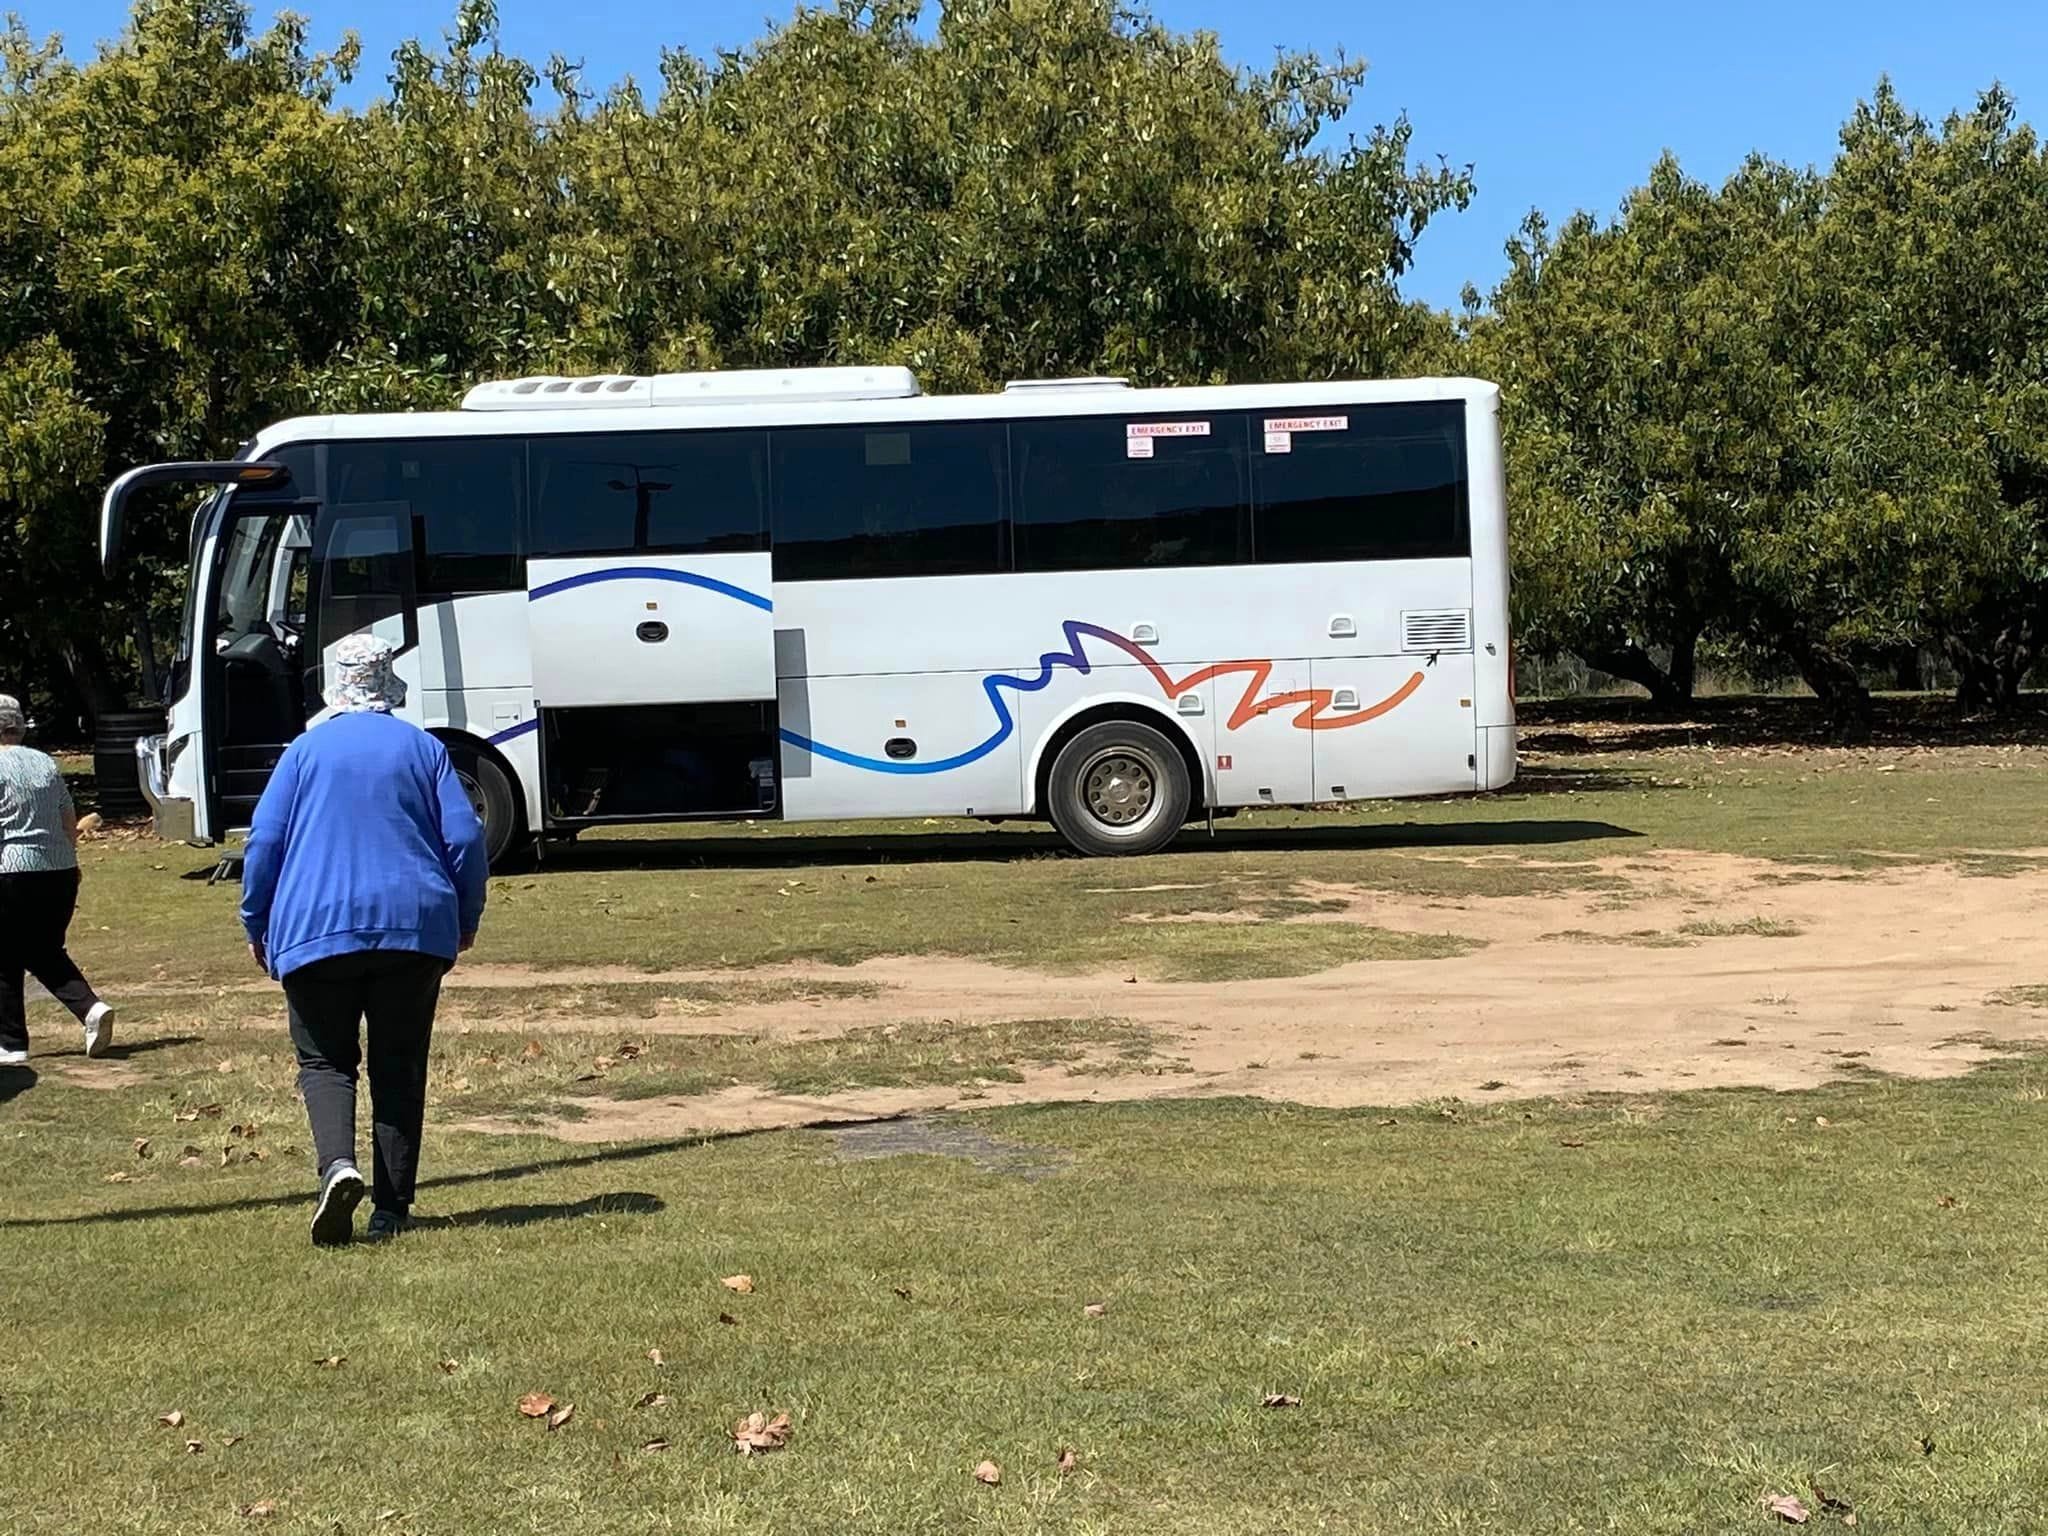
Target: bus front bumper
172 815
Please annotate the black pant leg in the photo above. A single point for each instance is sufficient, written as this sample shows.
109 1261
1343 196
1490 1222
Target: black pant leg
326 1004
403 994
13 1007
51 899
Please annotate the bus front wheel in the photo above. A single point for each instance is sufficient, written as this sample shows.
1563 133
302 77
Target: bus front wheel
489 789
1118 788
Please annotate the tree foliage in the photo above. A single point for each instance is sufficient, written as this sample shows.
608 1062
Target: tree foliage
1798 414
196 239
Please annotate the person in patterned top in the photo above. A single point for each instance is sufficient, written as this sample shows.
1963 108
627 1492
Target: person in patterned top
38 893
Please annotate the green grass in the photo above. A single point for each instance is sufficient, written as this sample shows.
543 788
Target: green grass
734 897
1621 1315
1639 938
1744 928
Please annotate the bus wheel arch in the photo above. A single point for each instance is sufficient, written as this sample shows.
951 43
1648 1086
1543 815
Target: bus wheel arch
493 788
1111 738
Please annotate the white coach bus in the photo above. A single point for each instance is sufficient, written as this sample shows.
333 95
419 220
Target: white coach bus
819 594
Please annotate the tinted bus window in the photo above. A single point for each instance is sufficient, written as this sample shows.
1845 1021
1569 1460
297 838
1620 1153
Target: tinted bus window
665 493
462 496
1105 493
1382 482
887 501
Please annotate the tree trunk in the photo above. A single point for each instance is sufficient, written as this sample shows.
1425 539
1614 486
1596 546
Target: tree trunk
1843 698
1685 664
1990 667
1906 670
1632 664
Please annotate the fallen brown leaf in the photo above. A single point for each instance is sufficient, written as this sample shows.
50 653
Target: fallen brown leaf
449 1367
227 1155
902 1292
561 1416
142 1146
118 1176
743 1284
1067 1462
186 1116
602 1063
655 1445
226 1066
988 1472
656 1356
1386 1120
1786 1507
757 1433
231 1440
194 1447
332 1362
256 1154
1095 1309
208 1112
1279 1400
534 1051
244 1132
628 1049
653 1400
1947 1202
460 1085
728 1319
175 1419
386 1516
191 1160
536 1405
1822 1121
1571 1141
262 1509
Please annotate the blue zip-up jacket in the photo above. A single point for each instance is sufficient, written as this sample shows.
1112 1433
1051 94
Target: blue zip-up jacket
363 840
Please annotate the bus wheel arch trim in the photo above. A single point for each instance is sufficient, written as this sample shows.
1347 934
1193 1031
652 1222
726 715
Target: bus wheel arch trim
1119 786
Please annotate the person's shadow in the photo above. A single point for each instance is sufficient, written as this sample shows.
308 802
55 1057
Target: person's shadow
15 1081
631 1202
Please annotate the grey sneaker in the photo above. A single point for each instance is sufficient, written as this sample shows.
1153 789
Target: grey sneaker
385 1225
99 1029
334 1218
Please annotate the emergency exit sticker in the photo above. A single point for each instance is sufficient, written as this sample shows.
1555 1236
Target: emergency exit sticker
1280 430
1140 435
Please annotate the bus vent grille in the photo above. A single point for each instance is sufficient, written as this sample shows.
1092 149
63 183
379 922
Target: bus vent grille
1448 629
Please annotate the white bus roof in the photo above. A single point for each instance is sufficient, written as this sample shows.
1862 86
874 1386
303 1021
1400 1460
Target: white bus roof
597 410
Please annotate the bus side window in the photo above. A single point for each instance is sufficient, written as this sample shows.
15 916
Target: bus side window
923 499
662 493
462 497
1085 501
1389 484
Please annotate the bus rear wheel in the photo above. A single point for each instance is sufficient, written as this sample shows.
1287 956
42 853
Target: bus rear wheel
489 789
1118 788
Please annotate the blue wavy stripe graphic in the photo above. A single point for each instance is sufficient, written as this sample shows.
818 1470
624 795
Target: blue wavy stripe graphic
652 573
1073 657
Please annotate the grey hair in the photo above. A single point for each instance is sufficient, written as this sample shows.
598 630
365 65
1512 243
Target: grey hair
13 723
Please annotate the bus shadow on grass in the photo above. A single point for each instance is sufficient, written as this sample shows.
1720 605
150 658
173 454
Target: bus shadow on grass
997 845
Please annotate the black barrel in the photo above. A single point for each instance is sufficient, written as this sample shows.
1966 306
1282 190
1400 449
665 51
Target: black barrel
113 758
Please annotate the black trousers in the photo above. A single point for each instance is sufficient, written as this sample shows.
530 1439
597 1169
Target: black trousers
35 914
396 993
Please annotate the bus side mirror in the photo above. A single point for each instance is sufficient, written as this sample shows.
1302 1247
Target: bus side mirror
253 474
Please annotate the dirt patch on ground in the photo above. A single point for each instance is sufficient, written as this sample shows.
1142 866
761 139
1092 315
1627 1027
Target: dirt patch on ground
1891 972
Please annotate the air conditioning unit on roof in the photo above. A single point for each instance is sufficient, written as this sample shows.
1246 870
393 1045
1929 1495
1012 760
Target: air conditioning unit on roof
748 386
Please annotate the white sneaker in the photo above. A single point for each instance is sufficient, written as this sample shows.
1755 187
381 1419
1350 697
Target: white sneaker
13 1058
99 1029
334 1218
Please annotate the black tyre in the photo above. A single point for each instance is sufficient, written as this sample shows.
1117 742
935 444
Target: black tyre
493 798
1118 788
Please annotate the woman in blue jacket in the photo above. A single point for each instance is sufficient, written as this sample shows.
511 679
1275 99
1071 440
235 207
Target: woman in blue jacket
363 879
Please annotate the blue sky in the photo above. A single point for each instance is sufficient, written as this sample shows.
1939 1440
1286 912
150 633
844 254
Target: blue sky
1557 106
